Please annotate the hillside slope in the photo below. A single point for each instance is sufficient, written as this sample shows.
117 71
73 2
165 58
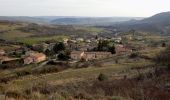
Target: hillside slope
159 23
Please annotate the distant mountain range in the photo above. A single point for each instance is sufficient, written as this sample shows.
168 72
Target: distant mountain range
159 23
71 20
92 20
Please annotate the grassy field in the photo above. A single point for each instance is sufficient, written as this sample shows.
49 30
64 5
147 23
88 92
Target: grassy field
14 35
93 30
9 47
6 27
151 52
70 75
34 40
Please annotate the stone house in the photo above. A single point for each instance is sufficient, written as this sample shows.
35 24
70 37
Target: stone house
78 55
2 52
121 49
35 58
28 60
8 60
3 58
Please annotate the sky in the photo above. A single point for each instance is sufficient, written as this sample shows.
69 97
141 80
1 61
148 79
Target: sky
93 8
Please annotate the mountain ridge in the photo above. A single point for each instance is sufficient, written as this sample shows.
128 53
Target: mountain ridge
159 23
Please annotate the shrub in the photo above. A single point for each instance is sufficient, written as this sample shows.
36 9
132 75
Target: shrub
134 55
102 77
51 62
13 94
42 88
164 44
23 73
56 96
63 56
48 69
59 47
164 57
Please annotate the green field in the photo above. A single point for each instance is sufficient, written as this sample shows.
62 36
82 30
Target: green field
93 30
14 35
34 40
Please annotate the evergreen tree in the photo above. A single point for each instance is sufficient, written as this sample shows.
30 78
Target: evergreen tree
164 44
59 47
112 49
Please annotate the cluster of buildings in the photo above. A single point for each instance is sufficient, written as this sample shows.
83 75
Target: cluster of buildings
28 58
80 48
85 51
81 55
4 58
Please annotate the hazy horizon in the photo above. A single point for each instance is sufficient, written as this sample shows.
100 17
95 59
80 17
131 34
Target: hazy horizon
83 8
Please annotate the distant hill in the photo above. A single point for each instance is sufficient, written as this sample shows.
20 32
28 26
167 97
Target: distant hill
24 19
161 18
91 20
159 23
68 20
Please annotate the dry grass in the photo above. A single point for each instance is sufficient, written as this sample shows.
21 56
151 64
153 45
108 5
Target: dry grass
14 35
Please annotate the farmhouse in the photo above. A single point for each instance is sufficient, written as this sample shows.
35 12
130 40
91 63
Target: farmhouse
2 52
35 58
78 55
121 49
3 58
7 59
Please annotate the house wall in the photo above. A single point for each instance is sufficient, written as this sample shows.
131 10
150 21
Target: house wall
28 60
39 59
2 52
90 55
34 59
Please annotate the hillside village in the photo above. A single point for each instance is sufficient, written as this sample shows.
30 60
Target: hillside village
84 49
67 62
78 49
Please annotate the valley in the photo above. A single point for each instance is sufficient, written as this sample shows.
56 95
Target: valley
73 60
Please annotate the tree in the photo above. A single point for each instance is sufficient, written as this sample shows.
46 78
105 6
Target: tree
134 55
63 56
99 48
103 45
164 44
48 52
132 31
96 37
102 77
112 49
59 47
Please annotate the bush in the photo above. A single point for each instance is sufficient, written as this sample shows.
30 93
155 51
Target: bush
134 55
23 73
164 57
63 56
42 88
14 94
102 77
163 44
59 47
51 62
45 70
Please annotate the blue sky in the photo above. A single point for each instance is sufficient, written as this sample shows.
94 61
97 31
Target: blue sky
101 8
